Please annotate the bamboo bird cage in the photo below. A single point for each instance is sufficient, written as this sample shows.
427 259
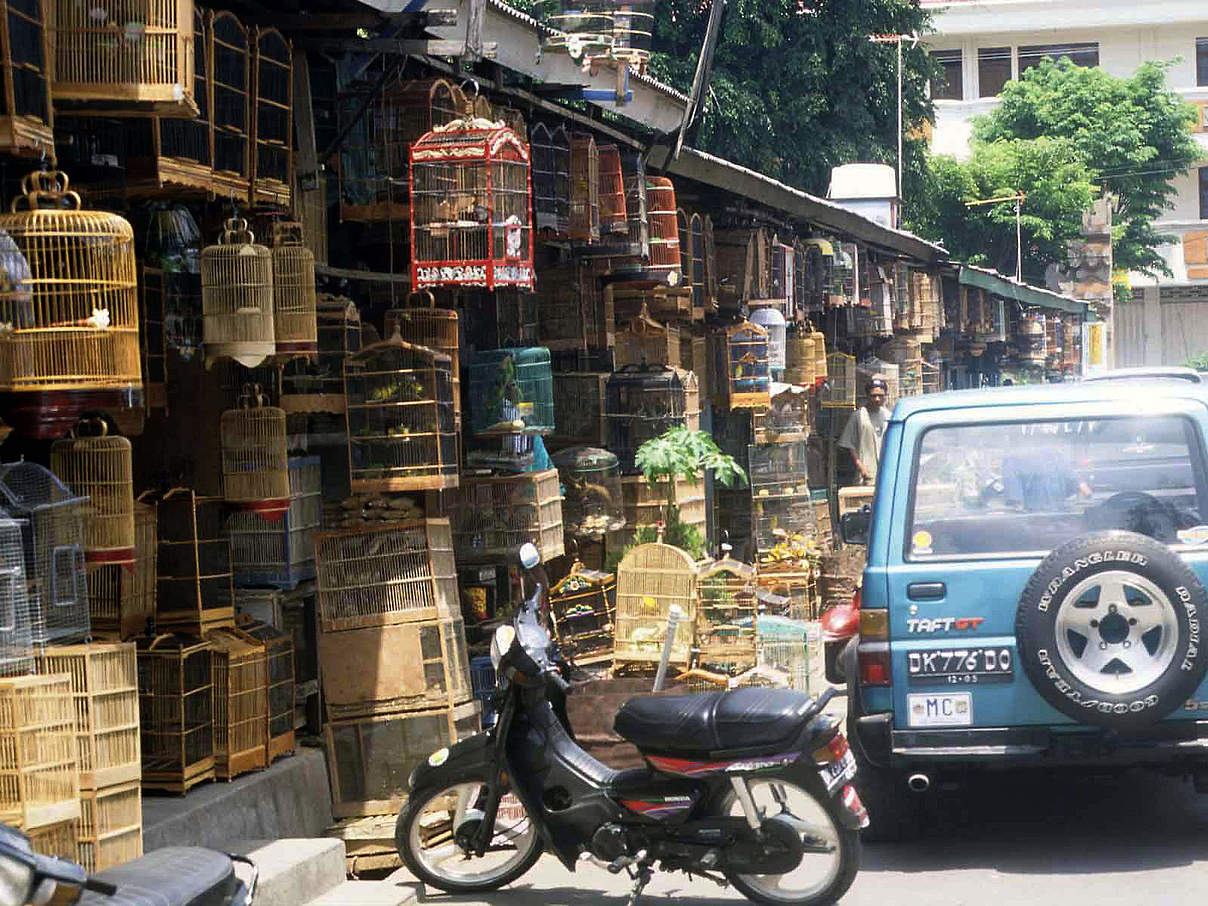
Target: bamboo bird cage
747 381
26 121
614 218
512 391
240 668
582 608
725 617
584 188
121 600
255 456
799 356
58 840
237 297
320 388
839 391
273 118
664 228
176 712
551 180
39 785
643 402
71 298
193 567
294 297
579 401
647 342
651 579
422 323
17 630
279 685
110 831
495 515
100 467
230 85
633 169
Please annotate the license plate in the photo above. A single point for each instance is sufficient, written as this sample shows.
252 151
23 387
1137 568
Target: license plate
960 666
839 771
951 709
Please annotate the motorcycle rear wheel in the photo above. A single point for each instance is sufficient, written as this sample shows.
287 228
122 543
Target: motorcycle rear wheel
427 831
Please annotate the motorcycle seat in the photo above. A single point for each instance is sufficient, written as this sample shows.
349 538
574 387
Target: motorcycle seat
714 722
173 876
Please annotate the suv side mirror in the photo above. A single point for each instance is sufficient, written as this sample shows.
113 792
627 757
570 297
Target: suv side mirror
853 527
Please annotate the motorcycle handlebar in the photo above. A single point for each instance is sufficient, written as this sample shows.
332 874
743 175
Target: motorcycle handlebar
553 676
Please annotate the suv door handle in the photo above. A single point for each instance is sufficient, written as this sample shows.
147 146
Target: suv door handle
926 591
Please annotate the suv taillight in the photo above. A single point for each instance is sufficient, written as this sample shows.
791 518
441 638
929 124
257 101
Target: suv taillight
874 665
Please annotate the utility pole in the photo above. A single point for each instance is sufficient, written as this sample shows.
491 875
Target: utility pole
897 39
1018 198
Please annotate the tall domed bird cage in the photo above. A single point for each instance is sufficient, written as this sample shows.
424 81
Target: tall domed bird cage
614 218
273 117
402 435
582 605
255 455
651 579
640 403
230 84
747 380
584 188
512 391
592 503
99 466
51 518
176 711
25 121
18 610
70 294
134 57
422 323
170 296
294 295
799 361
551 180
471 218
664 228
237 297
726 609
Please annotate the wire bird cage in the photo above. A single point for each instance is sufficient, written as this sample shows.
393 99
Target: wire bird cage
614 218
272 118
725 617
100 468
193 566
839 391
294 297
139 62
255 455
110 831
643 402
591 482
237 297
745 365
279 552
581 607
279 685
512 391
230 85
423 324
590 31
39 782
319 388
25 121
584 188
386 574
70 294
551 180
51 519
647 342
176 712
169 297
787 416
633 171
651 579
496 514
17 611
470 208
121 600
665 255
579 405
240 676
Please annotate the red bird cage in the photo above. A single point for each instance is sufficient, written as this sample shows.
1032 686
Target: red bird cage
664 226
471 216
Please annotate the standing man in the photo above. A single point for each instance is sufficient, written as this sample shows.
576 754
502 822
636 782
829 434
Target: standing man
865 429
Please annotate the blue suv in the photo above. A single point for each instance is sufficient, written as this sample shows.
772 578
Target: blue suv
1035 581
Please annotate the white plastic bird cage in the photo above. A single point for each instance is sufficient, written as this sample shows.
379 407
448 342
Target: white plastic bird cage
52 541
16 609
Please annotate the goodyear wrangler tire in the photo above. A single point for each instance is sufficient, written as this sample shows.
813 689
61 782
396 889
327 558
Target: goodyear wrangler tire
1108 630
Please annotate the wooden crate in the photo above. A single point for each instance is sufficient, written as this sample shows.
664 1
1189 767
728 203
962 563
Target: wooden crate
39 780
104 685
279 684
650 579
110 829
370 760
240 702
495 515
176 712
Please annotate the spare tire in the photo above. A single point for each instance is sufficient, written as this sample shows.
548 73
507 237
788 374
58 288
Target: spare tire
1108 630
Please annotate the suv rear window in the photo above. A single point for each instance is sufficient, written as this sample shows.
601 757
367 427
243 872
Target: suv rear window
1026 488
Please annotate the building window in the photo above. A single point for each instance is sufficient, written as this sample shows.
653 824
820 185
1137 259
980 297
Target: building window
1203 193
1079 54
993 70
1201 62
948 85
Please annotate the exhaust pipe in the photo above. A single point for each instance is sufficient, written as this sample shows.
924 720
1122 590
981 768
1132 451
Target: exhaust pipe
918 783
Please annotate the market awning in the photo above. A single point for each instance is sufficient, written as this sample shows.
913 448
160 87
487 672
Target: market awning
1009 288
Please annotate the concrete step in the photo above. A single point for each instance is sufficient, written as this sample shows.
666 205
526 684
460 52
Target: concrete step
366 893
294 871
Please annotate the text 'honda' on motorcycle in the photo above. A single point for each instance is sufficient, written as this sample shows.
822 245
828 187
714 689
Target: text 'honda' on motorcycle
750 787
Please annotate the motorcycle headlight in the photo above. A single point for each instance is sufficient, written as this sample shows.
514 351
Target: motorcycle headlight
504 637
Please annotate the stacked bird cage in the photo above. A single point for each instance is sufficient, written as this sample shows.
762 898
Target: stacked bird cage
176 712
255 456
39 784
579 408
237 297
51 520
121 600
664 228
781 510
402 433
101 468
470 211
294 297
17 632
591 479
26 124
240 702
230 86
280 553
651 579
57 840
319 388
645 504
110 831
725 617
495 515
512 392
614 219
581 607
423 324
839 391
272 119
584 188
746 367
551 180
1030 338
647 342
279 684
787 416
643 402
70 294
193 580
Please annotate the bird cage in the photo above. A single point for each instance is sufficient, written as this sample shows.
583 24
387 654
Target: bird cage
614 219
769 317
279 684
470 210
26 123
726 605
1030 338
240 677
787 416
872 367
701 299
584 188
747 383
591 482
193 567
17 611
255 456
647 342
319 387
104 686
551 180
169 296
51 519
581 606
743 265
422 323
926 301
645 504
57 840
782 514
512 391
294 295
110 830
665 255
665 303
495 515
579 404
932 377
1073 343
101 468
139 62
402 434
39 783
230 84
237 297
643 402
651 579
784 653
272 120
799 356
839 391
599 30
791 582
633 169
279 552
685 249
71 298
844 288
121 600
176 712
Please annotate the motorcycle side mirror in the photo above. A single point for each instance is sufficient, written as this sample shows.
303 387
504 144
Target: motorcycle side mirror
854 526
529 555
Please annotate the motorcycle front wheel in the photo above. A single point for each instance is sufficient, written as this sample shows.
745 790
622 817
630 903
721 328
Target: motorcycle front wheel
435 829
832 849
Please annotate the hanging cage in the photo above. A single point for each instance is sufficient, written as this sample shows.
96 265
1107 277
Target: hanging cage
18 608
100 467
193 566
647 342
781 510
294 296
619 31
176 712
170 297
26 124
651 579
665 255
255 456
746 367
423 324
495 515
633 170
279 685
551 180
230 85
614 217
240 676
581 608
272 119
726 609
591 482
799 362
584 188
771 319
787 415
684 233
643 402
121 600
512 391
237 297
320 387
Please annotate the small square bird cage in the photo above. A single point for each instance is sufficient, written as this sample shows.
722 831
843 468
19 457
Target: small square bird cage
422 323
747 369
787 416
25 114
642 403
240 702
645 341
280 552
255 455
665 254
402 433
839 391
110 831
470 207
176 712
318 387
279 684
193 567
122 600
584 188
614 219
230 85
100 467
51 518
294 295
581 608
725 617
778 469
512 391
495 515
70 294
645 504
651 579
17 608
551 180
385 574
272 120
237 297
39 783
591 482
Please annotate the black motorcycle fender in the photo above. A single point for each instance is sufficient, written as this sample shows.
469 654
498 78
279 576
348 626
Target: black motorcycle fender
470 759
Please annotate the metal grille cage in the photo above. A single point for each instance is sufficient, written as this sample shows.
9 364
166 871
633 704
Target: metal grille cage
651 578
725 617
230 87
551 180
614 217
280 552
512 391
255 456
497 514
110 831
38 777
100 468
642 403
581 606
240 702
18 612
591 479
273 121
120 601
584 188
193 580
279 679
25 124
294 296
176 712
237 297
423 324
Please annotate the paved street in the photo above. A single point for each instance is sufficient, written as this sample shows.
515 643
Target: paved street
1005 841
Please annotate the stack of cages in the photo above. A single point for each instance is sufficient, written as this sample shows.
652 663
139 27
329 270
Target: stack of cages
782 522
645 506
494 515
121 600
642 402
176 712
906 352
392 656
726 610
279 617
651 580
39 777
279 552
240 677
839 390
582 606
319 388
279 683
194 591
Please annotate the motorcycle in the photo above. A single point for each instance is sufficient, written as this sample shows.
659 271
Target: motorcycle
173 876
750 788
